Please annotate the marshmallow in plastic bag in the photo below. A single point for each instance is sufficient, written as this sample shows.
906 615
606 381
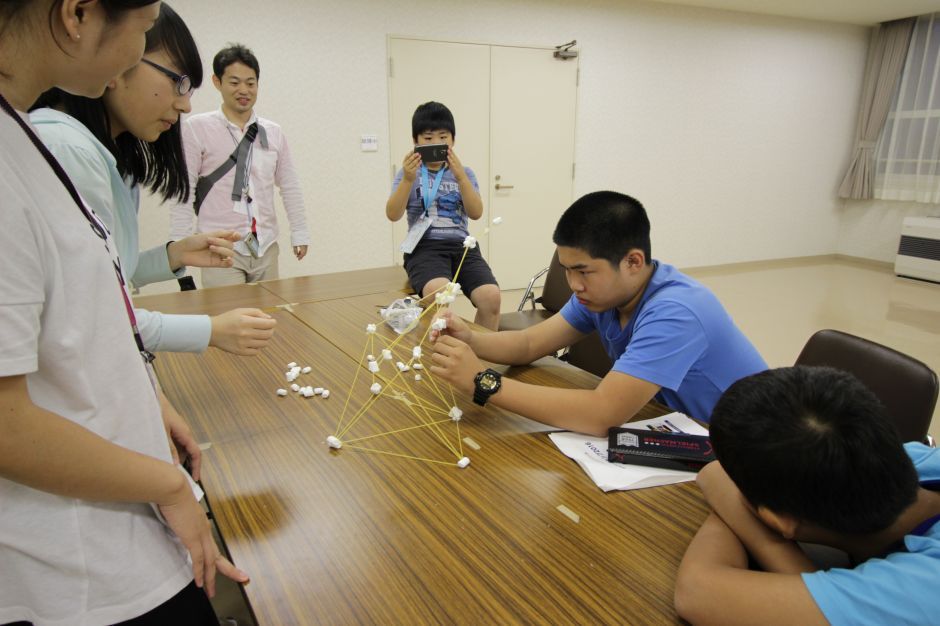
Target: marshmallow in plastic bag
402 315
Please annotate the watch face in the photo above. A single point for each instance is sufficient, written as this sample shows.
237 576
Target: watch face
488 382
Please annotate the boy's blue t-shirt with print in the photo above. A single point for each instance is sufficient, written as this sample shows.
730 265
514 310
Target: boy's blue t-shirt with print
900 588
679 337
448 217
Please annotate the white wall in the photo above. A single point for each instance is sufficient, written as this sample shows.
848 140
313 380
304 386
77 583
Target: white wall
733 129
871 229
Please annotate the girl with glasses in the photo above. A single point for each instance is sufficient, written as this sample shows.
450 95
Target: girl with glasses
128 138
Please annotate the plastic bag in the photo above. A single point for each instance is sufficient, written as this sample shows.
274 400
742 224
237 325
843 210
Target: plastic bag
402 315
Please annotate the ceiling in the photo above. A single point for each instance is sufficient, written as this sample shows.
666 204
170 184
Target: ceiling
864 12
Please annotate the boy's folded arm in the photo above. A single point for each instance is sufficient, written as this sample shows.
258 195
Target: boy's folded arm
397 202
472 202
714 586
769 548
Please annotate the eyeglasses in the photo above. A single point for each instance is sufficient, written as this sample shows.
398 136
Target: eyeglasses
184 84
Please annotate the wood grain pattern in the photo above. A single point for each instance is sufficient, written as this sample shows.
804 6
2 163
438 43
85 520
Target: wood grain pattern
339 285
211 301
343 536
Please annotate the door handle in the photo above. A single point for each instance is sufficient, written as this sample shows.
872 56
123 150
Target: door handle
498 187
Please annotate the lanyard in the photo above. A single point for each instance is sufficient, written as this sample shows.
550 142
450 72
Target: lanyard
428 192
93 220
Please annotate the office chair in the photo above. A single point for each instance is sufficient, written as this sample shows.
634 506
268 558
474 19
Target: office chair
906 387
589 353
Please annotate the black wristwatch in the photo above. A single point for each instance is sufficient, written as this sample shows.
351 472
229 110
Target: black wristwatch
485 384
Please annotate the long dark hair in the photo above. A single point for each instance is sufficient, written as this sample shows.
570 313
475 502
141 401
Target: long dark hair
160 165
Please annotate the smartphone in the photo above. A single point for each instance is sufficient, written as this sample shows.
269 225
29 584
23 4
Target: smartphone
432 152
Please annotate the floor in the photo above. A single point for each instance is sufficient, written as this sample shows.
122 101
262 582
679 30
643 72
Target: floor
778 305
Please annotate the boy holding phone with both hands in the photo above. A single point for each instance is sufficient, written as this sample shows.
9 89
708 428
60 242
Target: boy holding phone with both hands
439 197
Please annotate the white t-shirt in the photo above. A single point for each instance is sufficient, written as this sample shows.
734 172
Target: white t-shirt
64 325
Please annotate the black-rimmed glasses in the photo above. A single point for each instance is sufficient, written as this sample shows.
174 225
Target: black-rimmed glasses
184 85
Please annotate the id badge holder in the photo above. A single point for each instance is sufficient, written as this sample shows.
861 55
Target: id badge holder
251 242
415 233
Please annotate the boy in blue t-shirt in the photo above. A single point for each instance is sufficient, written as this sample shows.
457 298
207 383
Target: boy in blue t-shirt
438 198
668 336
808 454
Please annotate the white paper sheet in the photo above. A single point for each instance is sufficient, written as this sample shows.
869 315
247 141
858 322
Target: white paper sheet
591 454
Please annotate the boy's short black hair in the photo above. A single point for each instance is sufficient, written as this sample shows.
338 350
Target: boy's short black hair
432 116
606 224
235 53
815 443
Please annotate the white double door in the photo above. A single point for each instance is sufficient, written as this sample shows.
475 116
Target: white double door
514 109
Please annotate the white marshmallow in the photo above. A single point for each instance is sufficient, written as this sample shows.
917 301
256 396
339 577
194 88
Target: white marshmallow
317 391
325 394
464 462
282 392
373 366
439 324
469 242
387 354
375 388
439 298
418 366
417 378
306 370
334 442
416 352
295 387
291 376
455 414
307 392
370 328
291 365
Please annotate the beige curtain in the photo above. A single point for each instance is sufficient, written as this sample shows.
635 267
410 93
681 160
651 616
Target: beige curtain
886 55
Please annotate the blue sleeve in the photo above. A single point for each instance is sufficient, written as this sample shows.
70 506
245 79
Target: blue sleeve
578 316
473 178
162 332
667 340
397 181
899 589
153 266
925 458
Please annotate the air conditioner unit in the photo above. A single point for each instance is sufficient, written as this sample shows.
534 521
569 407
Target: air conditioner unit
919 250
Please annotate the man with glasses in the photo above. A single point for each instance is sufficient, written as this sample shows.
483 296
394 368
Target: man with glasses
235 159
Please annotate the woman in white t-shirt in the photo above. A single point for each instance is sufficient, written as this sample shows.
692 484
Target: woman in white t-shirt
86 470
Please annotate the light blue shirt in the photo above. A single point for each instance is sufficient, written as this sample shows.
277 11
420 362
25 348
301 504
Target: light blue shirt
679 337
93 171
900 588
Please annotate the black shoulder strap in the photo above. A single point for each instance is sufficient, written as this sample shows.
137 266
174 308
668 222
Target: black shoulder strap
205 183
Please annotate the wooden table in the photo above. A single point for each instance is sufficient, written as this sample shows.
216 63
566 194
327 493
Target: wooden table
345 536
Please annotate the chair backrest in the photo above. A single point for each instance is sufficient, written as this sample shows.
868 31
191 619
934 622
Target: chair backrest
589 354
906 387
556 291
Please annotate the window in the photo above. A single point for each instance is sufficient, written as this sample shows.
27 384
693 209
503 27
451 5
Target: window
908 152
